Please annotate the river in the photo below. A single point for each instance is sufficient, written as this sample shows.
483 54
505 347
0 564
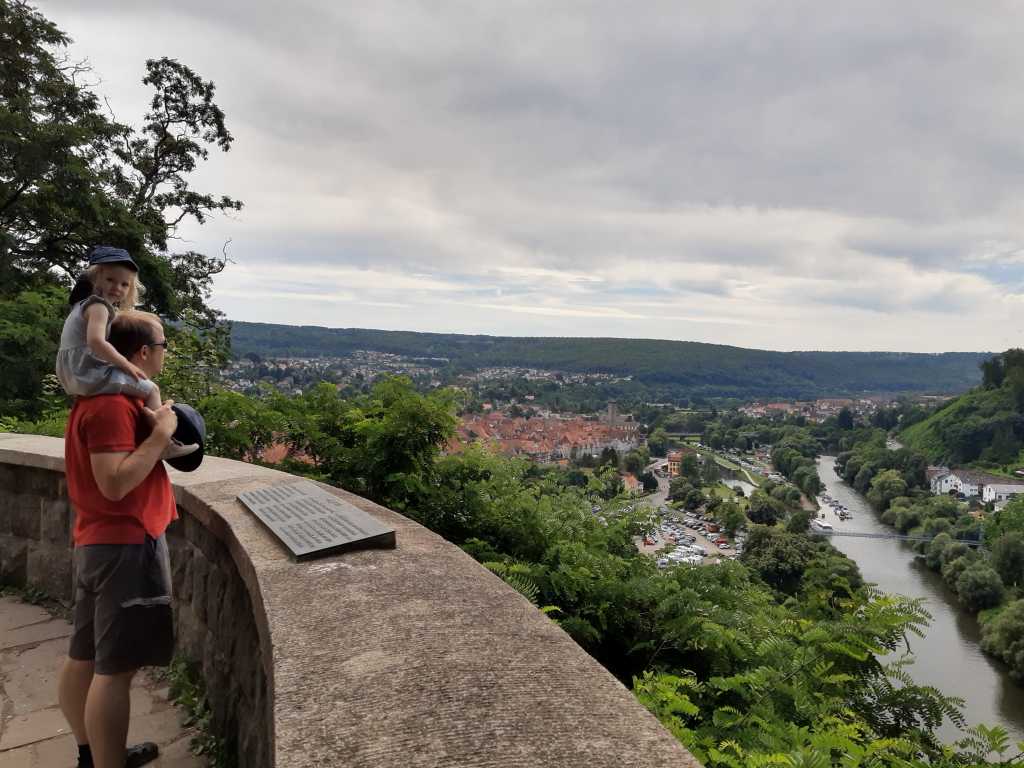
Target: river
948 657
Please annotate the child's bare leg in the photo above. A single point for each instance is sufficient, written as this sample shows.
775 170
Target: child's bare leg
153 401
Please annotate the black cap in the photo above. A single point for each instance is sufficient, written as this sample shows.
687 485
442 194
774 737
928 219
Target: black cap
107 254
191 429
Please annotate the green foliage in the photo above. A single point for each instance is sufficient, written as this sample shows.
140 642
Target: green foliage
885 486
985 425
798 521
980 587
194 361
868 457
239 427
763 509
804 696
731 516
30 325
1010 519
188 691
793 455
1008 558
382 444
71 177
1003 636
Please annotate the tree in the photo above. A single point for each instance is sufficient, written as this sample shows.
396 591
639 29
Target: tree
780 558
763 509
1008 558
689 467
980 587
731 516
70 178
678 488
649 481
239 427
798 521
992 372
1003 637
845 419
1009 519
657 442
633 462
885 487
935 549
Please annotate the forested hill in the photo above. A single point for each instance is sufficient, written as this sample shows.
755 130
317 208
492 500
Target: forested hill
984 426
669 367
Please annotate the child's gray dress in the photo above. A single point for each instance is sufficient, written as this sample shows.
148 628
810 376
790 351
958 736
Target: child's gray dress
80 372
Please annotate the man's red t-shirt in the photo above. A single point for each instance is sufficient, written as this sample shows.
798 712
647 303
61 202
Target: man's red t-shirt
113 424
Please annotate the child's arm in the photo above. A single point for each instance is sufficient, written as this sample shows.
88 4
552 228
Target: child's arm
96 338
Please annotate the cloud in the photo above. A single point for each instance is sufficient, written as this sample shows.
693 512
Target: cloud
778 175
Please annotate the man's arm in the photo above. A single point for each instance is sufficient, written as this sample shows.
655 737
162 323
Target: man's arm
118 474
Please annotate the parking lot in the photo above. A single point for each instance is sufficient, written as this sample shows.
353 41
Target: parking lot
684 537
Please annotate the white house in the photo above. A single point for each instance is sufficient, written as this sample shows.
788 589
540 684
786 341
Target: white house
945 482
970 483
998 492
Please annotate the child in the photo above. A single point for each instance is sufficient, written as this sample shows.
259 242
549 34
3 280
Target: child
87 364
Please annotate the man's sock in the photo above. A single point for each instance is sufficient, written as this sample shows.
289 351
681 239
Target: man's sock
84 756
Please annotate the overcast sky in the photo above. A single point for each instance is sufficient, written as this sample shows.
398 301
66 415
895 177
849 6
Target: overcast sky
800 175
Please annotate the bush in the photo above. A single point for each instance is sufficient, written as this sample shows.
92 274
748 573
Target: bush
979 587
935 548
1003 636
952 570
1008 558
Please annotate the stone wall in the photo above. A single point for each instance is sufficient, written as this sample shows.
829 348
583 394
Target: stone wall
405 657
35 530
214 622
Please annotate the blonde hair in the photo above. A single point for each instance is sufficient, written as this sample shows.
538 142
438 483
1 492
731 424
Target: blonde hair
132 298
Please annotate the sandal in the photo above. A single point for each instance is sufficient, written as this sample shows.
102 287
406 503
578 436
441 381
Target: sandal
140 754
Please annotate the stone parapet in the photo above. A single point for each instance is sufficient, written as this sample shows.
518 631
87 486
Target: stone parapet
415 656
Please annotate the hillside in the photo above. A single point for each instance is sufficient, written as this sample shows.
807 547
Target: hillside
667 368
984 426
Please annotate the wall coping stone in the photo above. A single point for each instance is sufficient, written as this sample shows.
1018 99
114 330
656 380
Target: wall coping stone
416 656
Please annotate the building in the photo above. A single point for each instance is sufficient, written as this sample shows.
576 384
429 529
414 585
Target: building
632 485
1001 492
674 458
970 483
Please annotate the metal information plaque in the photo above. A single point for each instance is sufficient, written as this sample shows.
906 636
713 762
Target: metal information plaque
311 522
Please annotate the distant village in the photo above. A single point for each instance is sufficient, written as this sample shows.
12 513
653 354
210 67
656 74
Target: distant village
292 375
826 407
549 437
519 429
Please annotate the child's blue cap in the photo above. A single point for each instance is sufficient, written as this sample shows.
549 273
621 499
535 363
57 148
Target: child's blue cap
107 254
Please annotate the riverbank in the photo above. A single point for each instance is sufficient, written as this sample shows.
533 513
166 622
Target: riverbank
949 657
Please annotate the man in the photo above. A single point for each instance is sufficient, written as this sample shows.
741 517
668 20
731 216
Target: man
123 503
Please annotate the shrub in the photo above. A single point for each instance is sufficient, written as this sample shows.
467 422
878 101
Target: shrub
1003 636
979 586
934 550
1008 558
952 570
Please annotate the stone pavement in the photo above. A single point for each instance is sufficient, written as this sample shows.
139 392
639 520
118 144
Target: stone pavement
33 733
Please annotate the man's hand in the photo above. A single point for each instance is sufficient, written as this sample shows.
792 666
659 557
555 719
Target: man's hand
118 474
163 420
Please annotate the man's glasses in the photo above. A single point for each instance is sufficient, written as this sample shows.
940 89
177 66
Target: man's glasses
158 344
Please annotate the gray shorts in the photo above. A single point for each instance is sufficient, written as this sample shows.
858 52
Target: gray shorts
122 612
